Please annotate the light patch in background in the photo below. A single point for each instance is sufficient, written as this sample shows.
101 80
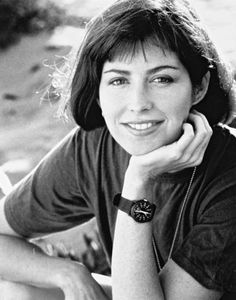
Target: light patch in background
28 126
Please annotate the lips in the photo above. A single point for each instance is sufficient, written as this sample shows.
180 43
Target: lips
143 128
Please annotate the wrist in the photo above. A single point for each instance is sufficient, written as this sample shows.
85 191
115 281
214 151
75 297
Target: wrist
135 187
141 210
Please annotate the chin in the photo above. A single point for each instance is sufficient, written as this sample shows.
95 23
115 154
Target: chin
146 145
140 150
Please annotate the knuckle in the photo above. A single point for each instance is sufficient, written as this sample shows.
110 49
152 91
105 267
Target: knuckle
198 161
210 131
187 157
176 155
191 131
202 135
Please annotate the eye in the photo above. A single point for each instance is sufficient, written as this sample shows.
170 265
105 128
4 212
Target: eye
118 81
162 79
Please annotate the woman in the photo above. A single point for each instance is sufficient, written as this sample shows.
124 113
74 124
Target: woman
149 161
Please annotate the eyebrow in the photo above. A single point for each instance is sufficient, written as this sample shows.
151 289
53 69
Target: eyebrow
150 72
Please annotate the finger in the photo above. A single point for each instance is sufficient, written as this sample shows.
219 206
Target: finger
195 112
74 256
165 158
192 154
200 121
62 250
186 138
203 133
202 130
177 150
170 156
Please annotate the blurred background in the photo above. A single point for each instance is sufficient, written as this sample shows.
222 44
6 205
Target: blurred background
35 36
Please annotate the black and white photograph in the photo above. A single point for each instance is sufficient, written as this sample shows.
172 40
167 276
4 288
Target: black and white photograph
117 150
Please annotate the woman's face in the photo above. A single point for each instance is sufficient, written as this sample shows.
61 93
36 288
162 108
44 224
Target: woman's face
145 99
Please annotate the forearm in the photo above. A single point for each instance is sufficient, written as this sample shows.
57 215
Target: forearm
134 272
23 262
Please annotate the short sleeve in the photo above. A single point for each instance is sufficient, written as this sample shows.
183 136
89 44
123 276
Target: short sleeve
49 198
208 252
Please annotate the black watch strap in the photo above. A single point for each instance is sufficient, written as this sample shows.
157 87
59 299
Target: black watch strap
123 203
140 210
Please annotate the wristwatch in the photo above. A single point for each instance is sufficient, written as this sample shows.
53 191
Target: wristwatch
140 210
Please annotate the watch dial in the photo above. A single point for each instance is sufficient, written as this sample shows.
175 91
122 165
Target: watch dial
142 211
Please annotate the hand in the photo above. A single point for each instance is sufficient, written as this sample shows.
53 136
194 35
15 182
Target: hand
77 283
187 151
89 253
59 249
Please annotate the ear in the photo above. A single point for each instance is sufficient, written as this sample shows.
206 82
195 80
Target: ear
201 90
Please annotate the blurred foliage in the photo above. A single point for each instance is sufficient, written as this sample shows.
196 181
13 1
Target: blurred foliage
77 21
26 17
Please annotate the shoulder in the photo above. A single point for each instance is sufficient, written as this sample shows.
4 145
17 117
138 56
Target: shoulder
78 140
220 156
208 250
218 173
94 143
224 137
98 144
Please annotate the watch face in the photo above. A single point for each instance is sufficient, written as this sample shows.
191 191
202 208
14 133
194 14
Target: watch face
142 211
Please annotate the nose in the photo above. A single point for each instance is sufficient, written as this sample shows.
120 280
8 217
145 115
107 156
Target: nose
139 100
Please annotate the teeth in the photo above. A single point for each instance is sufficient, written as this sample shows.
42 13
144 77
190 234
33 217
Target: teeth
139 126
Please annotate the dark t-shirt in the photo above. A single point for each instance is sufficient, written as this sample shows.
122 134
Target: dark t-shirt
81 176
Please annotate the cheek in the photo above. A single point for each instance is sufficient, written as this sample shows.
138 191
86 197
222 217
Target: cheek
181 107
110 106
107 109
181 112
105 101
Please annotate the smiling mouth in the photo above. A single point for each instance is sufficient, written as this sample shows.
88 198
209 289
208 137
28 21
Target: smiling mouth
143 126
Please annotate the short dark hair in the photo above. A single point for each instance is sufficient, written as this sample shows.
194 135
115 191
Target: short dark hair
170 24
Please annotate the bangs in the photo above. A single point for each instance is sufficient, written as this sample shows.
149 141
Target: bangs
134 30
143 30
127 49
129 26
